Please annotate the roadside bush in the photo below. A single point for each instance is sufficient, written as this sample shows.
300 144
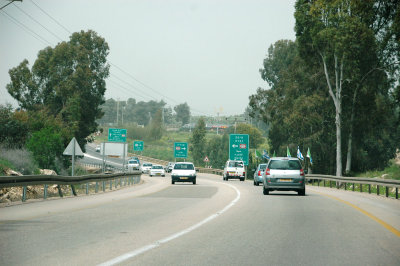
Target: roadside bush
20 160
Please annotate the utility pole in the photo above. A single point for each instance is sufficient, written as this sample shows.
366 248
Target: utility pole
117 110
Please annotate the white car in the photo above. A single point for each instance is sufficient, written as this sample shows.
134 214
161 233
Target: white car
234 169
132 165
183 172
157 170
145 168
98 148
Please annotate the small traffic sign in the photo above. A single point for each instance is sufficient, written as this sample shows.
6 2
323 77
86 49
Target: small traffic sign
206 159
239 147
138 145
180 150
117 135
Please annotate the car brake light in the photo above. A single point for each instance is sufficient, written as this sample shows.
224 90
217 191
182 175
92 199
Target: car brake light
301 172
259 173
267 171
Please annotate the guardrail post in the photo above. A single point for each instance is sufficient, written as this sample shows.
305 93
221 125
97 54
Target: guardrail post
377 190
324 182
361 187
87 188
397 193
97 187
45 191
110 184
354 186
337 184
23 194
387 191
345 186
116 182
104 186
60 191
318 181
369 188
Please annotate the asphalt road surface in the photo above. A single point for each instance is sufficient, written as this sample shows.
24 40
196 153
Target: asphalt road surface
212 223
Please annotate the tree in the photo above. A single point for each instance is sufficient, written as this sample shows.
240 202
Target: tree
156 126
345 37
13 127
68 80
45 146
182 113
197 141
255 135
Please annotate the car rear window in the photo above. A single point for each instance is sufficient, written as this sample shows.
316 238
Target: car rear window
147 164
235 164
184 166
263 166
284 165
157 167
133 162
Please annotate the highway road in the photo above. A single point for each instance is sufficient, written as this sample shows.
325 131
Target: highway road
212 223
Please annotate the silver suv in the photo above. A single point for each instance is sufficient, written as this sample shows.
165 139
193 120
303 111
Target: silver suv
284 173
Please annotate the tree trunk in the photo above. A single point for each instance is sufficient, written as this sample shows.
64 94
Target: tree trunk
350 141
337 100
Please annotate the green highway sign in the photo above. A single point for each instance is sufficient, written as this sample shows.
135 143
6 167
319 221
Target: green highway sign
138 145
180 150
239 147
117 134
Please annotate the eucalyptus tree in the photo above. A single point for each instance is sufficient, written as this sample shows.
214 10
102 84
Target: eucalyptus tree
67 80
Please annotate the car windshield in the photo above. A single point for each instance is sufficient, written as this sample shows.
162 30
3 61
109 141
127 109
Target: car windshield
184 166
235 164
285 165
133 162
156 167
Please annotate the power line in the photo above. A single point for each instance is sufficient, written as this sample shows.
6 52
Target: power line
59 24
9 3
49 31
26 29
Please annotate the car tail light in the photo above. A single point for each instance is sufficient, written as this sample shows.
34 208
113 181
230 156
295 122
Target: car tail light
244 173
301 172
267 171
259 173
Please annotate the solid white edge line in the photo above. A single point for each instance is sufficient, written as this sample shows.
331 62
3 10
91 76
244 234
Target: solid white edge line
158 243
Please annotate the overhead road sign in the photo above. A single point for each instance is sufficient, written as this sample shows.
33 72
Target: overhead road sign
138 145
117 135
239 147
180 150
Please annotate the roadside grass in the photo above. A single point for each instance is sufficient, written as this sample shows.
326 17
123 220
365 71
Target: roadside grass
390 172
5 164
19 159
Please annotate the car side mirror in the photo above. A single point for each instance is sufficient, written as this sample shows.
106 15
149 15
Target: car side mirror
197 170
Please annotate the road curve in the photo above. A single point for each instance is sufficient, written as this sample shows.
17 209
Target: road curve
323 227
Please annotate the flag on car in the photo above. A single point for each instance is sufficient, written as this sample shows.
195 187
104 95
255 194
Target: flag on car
288 152
258 154
299 155
265 155
274 155
309 155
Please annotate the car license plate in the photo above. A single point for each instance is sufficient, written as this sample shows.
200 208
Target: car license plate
184 178
285 180
158 174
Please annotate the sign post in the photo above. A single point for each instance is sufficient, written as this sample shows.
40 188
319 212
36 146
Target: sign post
181 150
73 149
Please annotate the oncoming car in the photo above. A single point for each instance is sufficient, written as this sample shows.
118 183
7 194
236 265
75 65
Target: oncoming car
157 170
146 168
284 173
183 172
132 165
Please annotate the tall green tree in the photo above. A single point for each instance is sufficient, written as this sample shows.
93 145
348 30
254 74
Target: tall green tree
341 37
198 140
68 80
156 126
182 113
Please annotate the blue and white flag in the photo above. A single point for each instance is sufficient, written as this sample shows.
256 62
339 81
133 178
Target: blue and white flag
299 155
265 155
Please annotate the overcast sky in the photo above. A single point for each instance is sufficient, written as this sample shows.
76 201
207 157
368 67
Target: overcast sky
204 52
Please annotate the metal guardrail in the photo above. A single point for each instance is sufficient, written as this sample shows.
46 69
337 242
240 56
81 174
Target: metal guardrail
342 182
121 179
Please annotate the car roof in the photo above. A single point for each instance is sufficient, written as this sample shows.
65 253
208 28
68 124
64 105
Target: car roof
284 158
183 163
